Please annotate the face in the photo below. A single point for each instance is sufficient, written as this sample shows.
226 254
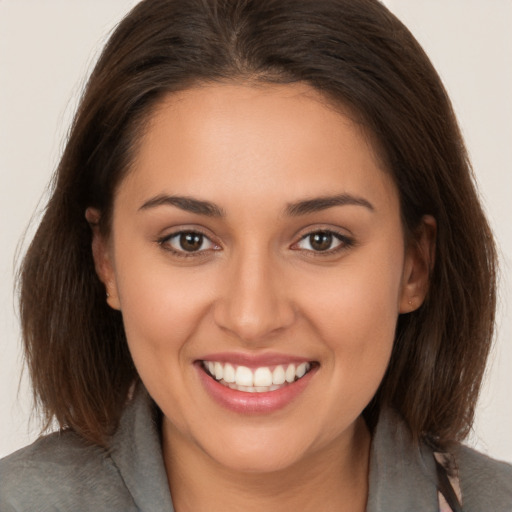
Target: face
258 259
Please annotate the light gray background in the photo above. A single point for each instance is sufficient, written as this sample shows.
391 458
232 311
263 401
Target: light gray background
46 49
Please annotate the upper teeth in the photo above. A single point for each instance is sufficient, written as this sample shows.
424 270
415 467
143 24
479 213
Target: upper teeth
263 376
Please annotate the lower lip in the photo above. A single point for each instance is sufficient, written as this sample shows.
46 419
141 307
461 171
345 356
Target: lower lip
254 403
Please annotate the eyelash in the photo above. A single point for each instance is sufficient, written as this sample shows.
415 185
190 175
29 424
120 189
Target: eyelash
165 242
344 243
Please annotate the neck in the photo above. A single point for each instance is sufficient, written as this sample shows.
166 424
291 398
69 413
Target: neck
334 478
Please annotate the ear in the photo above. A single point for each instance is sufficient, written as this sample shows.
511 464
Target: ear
418 265
103 258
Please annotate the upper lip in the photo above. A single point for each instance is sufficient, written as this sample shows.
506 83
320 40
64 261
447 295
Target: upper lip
254 360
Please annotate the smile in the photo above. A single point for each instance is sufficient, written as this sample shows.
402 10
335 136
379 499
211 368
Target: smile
257 380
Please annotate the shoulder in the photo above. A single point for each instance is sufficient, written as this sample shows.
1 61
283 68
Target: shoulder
61 472
486 483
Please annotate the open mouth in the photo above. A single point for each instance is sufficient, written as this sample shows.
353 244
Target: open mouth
256 380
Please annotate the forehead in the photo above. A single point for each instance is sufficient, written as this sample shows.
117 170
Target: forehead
253 139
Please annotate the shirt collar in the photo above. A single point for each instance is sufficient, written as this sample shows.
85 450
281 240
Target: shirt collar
402 474
137 453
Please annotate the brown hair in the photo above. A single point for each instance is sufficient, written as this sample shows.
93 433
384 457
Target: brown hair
360 56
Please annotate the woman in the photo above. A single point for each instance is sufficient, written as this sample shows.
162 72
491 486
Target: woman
250 286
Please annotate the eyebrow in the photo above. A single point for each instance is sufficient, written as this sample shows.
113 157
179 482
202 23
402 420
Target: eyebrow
318 204
210 209
188 204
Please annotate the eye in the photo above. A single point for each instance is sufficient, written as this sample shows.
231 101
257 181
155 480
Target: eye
187 242
322 241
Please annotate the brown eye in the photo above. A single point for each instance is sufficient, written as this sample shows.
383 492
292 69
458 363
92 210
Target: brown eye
187 242
323 241
191 242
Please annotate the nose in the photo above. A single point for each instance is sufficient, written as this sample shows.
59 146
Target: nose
253 303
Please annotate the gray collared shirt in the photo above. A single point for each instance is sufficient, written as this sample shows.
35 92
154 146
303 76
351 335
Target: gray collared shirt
60 472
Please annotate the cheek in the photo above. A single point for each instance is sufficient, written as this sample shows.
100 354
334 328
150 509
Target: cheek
161 305
162 308
359 298
355 316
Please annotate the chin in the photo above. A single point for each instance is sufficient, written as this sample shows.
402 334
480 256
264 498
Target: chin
258 449
256 460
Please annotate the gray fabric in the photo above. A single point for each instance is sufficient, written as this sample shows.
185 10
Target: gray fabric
486 484
60 472
402 476
136 451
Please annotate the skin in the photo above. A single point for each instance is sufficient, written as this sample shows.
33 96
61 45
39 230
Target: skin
257 286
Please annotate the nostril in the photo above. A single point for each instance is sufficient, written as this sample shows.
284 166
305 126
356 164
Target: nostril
255 323
253 303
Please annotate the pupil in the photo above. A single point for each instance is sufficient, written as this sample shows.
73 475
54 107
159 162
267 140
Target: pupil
191 241
321 241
